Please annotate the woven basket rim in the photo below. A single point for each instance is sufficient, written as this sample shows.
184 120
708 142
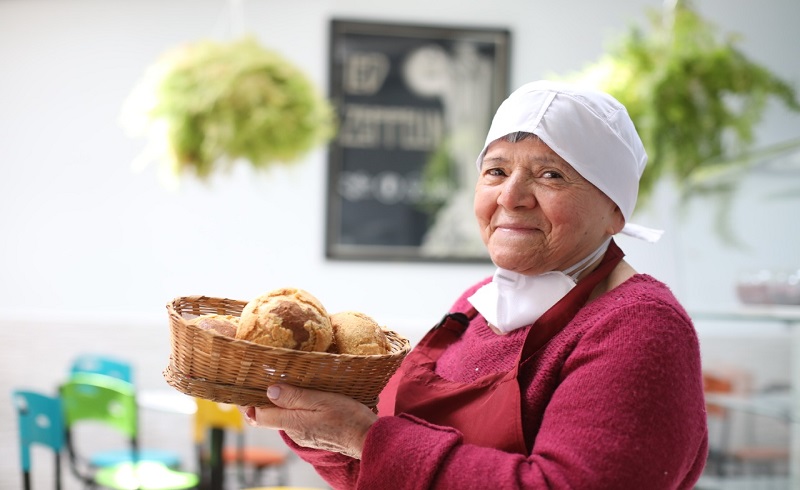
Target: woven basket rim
220 368
176 379
172 309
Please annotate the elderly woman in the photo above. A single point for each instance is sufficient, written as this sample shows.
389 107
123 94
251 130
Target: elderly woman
566 369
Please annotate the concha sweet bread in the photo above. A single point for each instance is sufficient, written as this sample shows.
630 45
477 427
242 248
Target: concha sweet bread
221 324
288 317
357 333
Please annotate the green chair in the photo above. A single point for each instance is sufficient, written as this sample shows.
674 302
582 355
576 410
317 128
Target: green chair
111 402
39 417
121 369
145 475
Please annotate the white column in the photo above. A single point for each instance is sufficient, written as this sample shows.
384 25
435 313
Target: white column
794 447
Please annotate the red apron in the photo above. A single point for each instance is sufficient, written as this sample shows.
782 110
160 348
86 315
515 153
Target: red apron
488 411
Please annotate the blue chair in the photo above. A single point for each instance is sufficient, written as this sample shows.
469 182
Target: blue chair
102 364
40 423
111 402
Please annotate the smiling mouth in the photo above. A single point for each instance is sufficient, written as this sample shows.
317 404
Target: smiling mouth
515 229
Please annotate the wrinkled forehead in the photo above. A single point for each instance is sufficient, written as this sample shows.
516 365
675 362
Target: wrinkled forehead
535 151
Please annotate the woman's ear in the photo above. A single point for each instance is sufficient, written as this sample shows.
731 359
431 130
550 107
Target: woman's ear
617 221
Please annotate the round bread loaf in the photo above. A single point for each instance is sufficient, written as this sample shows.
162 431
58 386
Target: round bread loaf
288 317
357 333
221 324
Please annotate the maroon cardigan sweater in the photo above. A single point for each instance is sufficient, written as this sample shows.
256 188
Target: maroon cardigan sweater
613 401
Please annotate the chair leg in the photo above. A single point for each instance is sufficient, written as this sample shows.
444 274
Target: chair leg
217 476
283 474
241 473
255 479
257 476
58 471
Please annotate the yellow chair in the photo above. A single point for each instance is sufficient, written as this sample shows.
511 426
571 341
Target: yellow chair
214 419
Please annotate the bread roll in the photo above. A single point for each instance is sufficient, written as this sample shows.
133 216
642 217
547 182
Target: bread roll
288 317
221 324
357 333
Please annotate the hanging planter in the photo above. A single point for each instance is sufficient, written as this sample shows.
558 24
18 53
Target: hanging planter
695 98
206 105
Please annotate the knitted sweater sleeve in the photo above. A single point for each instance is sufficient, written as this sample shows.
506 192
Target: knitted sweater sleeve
631 397
625 411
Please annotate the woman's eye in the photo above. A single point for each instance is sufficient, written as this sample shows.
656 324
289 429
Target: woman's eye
495 172
552 174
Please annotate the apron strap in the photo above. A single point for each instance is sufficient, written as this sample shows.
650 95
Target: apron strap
560 314
449 329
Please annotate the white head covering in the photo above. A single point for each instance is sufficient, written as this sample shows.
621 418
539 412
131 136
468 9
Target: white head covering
590 130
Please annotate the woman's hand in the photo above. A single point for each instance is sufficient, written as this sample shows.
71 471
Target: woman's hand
315 419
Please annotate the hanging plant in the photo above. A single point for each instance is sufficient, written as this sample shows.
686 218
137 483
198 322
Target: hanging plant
207 104
693 96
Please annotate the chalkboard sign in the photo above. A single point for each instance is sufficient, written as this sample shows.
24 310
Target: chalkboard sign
414 105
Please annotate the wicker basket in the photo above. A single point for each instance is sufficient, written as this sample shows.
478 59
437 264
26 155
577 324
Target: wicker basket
222 369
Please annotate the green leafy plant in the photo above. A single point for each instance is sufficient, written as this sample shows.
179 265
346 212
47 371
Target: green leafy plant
208 104
694 97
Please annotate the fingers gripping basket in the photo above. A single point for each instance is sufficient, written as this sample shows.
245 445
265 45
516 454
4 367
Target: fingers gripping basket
222 369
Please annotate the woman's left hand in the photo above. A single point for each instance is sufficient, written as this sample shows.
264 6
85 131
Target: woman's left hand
315 419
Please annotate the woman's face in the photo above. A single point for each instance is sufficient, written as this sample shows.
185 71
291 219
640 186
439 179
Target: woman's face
535 212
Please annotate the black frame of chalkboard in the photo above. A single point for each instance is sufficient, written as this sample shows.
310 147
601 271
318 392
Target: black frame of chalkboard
390 168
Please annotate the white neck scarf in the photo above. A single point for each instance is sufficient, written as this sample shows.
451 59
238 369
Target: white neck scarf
513 300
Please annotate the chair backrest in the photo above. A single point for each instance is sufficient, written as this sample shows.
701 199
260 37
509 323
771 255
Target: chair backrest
715 383
39 418
215 415
103 364
111 401
100 398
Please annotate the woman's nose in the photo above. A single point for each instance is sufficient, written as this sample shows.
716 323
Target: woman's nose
516 192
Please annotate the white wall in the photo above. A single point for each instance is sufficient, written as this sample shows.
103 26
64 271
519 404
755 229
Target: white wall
90 252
